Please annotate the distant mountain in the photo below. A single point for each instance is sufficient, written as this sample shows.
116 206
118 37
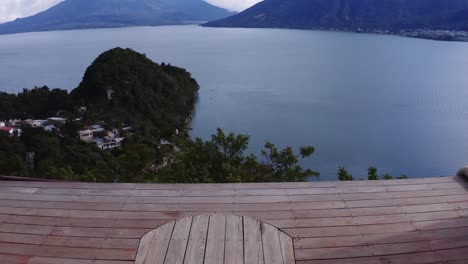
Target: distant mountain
80 14
353 15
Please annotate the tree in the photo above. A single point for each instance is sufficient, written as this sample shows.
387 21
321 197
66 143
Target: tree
222 159
372 174
343 175
388 177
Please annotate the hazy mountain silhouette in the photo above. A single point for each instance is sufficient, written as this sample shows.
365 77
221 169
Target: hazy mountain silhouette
79 14
392 15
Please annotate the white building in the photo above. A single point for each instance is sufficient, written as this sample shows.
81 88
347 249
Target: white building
50 128
11 130
2 124
108 143
30 122
96 128
86 135
57 119
38 123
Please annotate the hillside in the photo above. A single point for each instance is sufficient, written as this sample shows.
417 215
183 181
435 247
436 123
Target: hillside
80 14
123 86
353 15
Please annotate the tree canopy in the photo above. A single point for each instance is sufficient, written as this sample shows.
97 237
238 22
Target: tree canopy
223 159
123 86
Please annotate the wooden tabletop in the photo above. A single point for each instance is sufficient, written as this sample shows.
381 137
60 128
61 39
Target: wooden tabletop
397 221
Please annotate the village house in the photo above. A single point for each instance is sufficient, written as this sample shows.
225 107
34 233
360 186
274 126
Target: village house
50 128
57 120
96 128
86 135
108 143
11 130
30 122
13 122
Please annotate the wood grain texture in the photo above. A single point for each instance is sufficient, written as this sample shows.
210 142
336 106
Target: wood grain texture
196 246
402 221
234 245
144 247
215 244
272 252
253 247
179 240
159 244
287 248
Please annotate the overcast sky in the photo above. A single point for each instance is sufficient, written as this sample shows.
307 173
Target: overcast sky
12 9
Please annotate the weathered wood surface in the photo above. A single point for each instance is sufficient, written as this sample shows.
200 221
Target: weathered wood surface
206 239
397 221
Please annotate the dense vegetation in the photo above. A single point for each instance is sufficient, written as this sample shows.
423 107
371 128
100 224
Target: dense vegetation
53 157
154 99
223 159
366 15
372 175
124 88
78 14
36 103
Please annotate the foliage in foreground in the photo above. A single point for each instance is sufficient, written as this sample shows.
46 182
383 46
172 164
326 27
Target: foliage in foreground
219 160
223 159
372 175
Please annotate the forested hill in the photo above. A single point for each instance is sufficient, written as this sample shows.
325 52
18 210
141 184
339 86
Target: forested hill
121 89
79 14
365 15
123 86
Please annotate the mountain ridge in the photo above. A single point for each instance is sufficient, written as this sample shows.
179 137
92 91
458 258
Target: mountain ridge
380 16
85 14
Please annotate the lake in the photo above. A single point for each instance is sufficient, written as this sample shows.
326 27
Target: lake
362 100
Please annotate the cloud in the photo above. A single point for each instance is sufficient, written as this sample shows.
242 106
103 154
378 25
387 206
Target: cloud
12 9
234 5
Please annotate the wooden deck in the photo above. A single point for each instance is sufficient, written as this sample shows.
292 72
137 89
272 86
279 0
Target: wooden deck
214 239
398 221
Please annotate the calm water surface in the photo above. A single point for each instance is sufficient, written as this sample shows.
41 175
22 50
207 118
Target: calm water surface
396 103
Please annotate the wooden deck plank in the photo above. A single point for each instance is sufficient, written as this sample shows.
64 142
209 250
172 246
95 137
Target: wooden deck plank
439 224
230 199
14 259
323 231
287 248
171 190
234 253
271 244
453 254
137 186
328 242
47 260
252 205
67 252
179 240
215 243
333 253
144 247
197 240
159 244
253 248
65 241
